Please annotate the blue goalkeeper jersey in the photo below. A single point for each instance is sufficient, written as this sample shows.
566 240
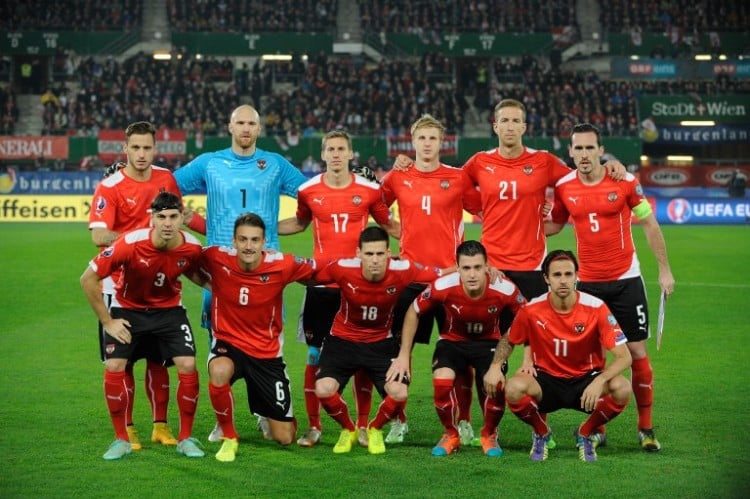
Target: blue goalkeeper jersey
240 184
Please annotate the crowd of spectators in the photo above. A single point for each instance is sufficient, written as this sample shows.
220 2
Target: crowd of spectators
8 111
441 16
76 15
247 16
556 100
381 99
183 93
686 15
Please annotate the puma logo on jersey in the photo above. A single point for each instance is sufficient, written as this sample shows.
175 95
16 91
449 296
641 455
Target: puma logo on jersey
409 184
573 200
490 169
456 308
130 201
226 269
543 324
144 262
352 287
318 200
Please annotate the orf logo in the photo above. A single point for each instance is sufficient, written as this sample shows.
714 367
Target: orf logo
679 210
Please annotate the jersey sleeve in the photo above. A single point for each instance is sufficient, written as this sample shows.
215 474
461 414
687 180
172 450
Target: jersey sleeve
557 168
291 178
610 332
304 213
421 273
425 301
298 268
518 332
103 208
559 214
191 177
472 200
379 211
386 189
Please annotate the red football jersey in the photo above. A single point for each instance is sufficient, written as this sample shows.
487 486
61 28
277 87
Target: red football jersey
338 216
512 192
601 220
467 318
122 204
366 311
149 277
247 307
430 207
567 345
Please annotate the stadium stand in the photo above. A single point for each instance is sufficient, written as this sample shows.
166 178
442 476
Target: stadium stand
244 16
77 15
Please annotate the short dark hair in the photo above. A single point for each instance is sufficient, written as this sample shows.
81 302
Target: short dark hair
166 200
471 248
372 234
555 255
586 128
140 128
251 220
510 103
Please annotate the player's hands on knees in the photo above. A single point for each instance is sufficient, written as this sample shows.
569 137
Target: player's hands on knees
592 394
118 329
493 378
402 162
399 370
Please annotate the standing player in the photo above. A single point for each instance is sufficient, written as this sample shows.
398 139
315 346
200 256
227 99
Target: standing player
431 199
237 180
247 330
121 204
467 339
361 334
601 213
567 333
147 303
338 204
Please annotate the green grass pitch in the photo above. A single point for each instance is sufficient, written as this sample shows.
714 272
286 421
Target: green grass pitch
54 426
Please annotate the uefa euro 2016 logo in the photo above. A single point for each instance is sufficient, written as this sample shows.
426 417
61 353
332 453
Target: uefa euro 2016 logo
679 210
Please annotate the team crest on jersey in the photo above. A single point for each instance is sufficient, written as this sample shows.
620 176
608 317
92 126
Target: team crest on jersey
528 170
110 348
611 320
265 278
181 262
492 309
391 290
262 164
357 200
612 197
579 327
445 184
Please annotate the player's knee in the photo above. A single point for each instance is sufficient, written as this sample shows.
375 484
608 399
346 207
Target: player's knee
515 389
325 387
397 390
313 355
284 436
184 365
220 371
621 389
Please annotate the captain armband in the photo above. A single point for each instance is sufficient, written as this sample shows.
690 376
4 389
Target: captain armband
643 209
